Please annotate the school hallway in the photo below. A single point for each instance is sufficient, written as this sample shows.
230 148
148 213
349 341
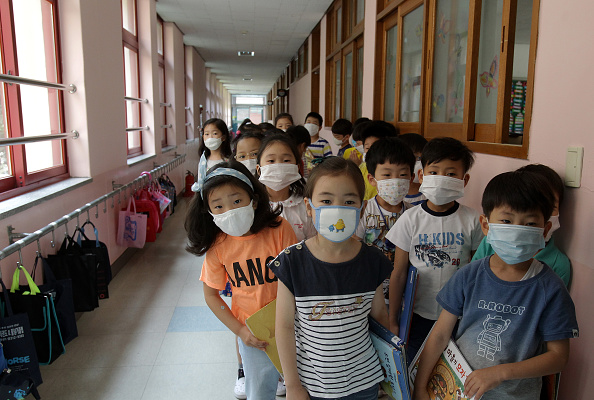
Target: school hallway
154 338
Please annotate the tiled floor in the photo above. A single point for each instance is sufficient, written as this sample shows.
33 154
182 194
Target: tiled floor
153 339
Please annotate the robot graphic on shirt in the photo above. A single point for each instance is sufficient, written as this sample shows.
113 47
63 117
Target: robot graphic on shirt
489 340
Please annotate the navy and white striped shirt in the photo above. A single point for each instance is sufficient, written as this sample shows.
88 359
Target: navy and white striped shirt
335 356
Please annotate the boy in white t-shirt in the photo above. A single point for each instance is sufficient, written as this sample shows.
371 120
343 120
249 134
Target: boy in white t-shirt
438 237
390 164
416 143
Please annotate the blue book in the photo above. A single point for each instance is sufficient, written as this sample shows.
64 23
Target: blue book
390 350
408 302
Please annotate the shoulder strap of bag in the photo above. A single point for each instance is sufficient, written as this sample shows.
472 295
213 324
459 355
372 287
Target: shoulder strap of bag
33 288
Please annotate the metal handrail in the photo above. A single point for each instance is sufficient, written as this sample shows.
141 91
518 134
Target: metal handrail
188 124
140 128
128 98
40 138
33 82
49 228
168 126
165 104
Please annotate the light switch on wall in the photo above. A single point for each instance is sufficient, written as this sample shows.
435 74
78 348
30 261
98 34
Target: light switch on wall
573 166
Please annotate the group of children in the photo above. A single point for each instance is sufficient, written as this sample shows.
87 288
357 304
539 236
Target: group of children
332 238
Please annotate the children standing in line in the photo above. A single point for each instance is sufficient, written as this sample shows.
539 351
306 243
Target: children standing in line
371 132
341 131
390 163
319 147
302 140
550 255
279 172
356 153
437 237
231 222
214 147
329 284
515 316
283 121
247 146
417 143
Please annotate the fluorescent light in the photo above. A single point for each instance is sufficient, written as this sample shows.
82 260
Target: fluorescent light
245 53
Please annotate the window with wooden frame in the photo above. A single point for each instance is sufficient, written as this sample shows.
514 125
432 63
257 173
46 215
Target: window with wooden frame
131 75
344 71
30 49
334 27
293 70
303 59
475 80
162 81
355 16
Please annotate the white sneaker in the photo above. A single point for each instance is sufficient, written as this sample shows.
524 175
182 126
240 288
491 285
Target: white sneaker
239 390
281 389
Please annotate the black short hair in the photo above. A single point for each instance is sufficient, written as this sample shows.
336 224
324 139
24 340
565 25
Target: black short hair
199 224
246 135
378 129
342 127
415 141
315 115
443 148
521 191
552 177
283 115
299 134
266 126
389 150
335 166
360 121
225 146
297 187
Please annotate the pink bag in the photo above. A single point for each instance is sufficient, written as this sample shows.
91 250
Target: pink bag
131 227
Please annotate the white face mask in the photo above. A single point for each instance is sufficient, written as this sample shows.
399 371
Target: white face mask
313 129
213 143
336 223
236 222
279 176
360 149
250 165
441 189
416 169
555 225
337 142
364 154
393 190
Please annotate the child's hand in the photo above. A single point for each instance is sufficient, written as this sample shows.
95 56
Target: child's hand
250 340
482 380
297 393
355 157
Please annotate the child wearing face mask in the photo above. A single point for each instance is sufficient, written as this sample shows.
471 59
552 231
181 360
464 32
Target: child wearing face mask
550 255
341 133
232 224
278 170
214 147
328 286
390 163
319 147
247 145
438 237
283 121
417 143
510 314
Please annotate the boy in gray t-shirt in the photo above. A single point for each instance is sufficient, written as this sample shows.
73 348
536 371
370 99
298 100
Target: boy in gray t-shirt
516 317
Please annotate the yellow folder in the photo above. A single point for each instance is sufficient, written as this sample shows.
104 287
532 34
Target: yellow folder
261 324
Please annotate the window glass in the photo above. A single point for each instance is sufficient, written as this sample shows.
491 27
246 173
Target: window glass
359 82
488 62
129 16
390 86
411 65
160 38
348 86
520 71
449 65
37 60
339 26
337 90
359 11
132 107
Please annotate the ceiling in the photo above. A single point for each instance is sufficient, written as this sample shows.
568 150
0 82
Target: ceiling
218 29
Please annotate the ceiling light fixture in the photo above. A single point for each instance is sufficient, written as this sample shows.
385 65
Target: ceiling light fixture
245 53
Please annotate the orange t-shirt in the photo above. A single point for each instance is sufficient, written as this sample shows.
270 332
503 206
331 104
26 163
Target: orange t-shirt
242 260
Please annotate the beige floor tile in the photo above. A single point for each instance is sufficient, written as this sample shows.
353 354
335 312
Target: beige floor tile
197 348
104 320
